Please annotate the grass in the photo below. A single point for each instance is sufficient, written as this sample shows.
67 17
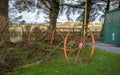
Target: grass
103 63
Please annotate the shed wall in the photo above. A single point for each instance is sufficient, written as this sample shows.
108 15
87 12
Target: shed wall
112 27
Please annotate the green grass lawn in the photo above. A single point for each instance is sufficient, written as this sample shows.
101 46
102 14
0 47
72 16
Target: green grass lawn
103 63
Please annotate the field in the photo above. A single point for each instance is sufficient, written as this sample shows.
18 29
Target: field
103 63
95 27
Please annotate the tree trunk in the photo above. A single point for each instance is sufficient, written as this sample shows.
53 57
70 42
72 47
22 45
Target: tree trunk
4 37
4 22
4 8
53 15
119 4
89 4
108 5
107 9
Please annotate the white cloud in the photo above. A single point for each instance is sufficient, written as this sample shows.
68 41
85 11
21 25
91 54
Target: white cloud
31 17
62 18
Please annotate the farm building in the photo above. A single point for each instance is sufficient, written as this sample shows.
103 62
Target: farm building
112 27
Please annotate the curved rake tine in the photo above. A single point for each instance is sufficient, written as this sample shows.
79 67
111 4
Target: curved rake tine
93 45
65 53
51 42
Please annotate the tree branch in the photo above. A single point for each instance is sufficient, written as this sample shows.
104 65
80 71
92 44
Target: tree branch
45 4
82 5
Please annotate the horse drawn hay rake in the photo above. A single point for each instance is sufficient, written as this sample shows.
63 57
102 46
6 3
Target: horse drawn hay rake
76 43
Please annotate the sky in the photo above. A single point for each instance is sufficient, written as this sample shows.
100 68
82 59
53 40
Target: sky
31 17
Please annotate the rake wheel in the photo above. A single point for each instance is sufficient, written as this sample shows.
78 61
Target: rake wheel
82 45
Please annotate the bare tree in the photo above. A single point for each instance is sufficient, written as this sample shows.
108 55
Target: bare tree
50 7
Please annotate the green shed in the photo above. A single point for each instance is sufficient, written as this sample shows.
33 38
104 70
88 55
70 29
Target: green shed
112 27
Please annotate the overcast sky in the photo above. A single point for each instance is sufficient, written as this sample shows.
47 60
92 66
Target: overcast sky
31 17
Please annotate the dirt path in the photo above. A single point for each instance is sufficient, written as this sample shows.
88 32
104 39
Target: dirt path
107 47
